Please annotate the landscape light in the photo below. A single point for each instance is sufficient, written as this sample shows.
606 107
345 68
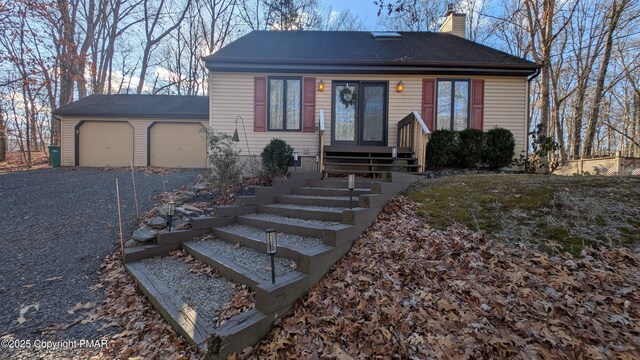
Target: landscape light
318 162
351 184
272 248
295 161
394 155
171 211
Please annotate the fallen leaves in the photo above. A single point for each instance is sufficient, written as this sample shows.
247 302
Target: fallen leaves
406 290
15 162
80 306
139 330
24 310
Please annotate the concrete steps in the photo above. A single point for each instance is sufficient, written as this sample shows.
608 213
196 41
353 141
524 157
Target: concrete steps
315 228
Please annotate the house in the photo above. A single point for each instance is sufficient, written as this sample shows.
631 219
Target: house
359 87
342 100
143 130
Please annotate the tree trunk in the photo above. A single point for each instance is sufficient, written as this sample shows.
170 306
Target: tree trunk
3 136
616 13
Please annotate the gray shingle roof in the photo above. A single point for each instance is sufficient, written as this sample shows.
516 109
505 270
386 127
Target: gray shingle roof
353 48
144 106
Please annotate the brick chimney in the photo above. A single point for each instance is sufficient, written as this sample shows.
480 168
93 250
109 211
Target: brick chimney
455 23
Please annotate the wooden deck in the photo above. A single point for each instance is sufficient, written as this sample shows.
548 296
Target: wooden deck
367 161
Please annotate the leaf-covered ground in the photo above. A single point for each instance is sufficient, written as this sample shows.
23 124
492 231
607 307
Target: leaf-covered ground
406 290
14 162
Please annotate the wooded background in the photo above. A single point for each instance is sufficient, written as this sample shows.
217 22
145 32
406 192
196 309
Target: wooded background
587 96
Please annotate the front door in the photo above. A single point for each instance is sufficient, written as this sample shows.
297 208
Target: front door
359 113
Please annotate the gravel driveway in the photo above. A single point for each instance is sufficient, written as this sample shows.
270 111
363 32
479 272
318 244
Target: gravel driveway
56 227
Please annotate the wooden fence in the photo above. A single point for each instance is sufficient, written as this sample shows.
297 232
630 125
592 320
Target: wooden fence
605 166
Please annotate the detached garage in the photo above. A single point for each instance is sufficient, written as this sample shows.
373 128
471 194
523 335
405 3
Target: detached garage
143 130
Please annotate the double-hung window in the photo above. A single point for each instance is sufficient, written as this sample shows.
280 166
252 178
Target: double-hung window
453 105
285 103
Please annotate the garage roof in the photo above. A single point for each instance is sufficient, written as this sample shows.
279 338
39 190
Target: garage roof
142 106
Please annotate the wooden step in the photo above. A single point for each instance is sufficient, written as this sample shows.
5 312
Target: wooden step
324 191
340 184
313 200
306 251
397 165
229 266
304 211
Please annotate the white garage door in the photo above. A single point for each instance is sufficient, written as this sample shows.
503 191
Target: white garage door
178 145
106 144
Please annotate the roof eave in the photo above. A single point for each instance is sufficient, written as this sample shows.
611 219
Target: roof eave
478 69
138 116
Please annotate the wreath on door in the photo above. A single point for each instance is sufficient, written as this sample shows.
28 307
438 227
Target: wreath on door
347 96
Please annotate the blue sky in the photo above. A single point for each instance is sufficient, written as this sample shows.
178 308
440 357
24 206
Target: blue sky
365 9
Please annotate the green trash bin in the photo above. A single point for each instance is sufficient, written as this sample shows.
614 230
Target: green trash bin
54 155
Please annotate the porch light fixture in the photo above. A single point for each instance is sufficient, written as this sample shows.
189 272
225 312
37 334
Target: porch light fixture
172 210
394 155
351 184
295 161
400 86
236 137
321 86
272 248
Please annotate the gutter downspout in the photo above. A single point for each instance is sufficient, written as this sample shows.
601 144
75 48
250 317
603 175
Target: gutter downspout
529 80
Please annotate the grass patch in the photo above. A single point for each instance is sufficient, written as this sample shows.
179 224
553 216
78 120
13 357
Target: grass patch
551 212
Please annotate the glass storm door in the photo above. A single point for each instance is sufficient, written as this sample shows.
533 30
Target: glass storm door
359 113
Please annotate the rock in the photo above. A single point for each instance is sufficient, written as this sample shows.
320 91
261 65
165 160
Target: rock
185 212
180 224
157 222
200 186
163 210
130 243
192 208
144 233
189 194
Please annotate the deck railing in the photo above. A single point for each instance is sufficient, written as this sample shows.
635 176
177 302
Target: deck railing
414 134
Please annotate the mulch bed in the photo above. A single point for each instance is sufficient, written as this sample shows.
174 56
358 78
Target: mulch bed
15 162
406 290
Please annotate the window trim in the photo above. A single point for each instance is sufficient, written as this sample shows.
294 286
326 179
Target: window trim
452 109
284 95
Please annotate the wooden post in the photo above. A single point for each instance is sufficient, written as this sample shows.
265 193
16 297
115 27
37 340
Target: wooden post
619 164
580 166
135 194
119 218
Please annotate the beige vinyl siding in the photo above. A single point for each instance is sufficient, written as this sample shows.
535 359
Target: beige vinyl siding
454 24
67 141
139 136
231 94
505 105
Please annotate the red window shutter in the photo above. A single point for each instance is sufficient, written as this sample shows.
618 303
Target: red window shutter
260 103
309 105
477 104
428 102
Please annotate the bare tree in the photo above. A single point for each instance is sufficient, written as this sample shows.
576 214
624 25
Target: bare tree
616 11
154 18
